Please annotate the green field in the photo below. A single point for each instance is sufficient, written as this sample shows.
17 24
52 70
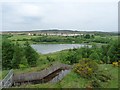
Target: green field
60 39
16 37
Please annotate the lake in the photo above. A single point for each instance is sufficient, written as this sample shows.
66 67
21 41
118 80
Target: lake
50 48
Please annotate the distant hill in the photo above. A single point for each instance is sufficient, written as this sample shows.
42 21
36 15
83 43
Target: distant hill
55 31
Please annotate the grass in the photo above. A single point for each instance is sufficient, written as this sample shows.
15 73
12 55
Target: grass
3 74
42 63
20 37
33 69
113 71
73 80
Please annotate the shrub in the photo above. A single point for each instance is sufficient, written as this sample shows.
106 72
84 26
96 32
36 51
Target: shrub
94 83
50 59
115 64
86 68
22 66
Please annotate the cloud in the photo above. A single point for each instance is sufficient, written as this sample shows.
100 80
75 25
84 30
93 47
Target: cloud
62 14
58 1
30 10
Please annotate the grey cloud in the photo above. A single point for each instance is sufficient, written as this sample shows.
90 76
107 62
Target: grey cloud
81 16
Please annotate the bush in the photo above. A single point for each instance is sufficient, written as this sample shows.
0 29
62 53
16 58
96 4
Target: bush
86 68
115 64
72 57
50 59
22 66
95 83
103 76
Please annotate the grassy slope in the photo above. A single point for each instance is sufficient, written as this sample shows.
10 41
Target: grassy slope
72 80
113 71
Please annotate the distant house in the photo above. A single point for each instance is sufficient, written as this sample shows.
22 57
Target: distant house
30 34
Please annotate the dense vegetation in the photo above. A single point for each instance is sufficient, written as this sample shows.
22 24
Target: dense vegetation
61 39
92 66
105 54
17 56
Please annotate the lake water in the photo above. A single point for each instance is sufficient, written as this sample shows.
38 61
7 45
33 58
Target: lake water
50 48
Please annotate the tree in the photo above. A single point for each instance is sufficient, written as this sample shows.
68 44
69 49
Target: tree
114 51
16 56
87 36
23 64
94 56
31 55
92 36
19 57
108 59
71 57
7 53
105 59
86 51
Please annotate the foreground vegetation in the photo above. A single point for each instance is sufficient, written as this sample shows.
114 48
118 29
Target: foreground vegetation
105 57
73 80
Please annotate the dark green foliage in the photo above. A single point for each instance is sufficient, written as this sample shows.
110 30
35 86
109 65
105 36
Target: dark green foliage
72 57
110 52
6 36
106 53
50 59
101 40
94 56
23 64
86 51
87 36
114 50
31 54
58 39
103 76
95 83
17 56
7 54
92 36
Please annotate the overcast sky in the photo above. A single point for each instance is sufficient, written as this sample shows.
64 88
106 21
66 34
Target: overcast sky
90 15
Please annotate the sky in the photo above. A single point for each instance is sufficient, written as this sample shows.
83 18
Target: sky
81 15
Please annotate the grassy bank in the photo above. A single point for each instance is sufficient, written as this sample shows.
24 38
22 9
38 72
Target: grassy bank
72 80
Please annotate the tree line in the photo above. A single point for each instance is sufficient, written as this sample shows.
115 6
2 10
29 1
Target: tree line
15 56
107 54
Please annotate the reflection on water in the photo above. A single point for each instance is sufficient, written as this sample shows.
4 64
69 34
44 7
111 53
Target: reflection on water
50 48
